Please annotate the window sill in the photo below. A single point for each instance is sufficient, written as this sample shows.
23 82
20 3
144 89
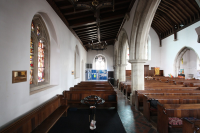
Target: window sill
40 88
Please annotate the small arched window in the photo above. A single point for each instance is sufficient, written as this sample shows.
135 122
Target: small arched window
39 53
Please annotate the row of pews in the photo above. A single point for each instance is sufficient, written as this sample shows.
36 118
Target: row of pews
173 104
102 89
42 118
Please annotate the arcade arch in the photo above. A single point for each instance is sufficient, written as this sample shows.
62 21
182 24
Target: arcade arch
122 55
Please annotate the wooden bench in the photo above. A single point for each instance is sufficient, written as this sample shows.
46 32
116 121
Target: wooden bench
191 126
175 110
73 98
171 99
139 94
91 88
40 119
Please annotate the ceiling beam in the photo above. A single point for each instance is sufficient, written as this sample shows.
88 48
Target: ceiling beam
124 19
80 16
182 9
172 12
101 29
74 12
177 10
169 16
94 33
57 10
108 23
80 24
186 7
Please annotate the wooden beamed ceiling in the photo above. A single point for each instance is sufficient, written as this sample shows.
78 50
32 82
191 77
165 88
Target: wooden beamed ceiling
170 17
173 16
83 24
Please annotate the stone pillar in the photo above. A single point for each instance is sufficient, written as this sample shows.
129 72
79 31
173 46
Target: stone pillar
122 72
137 78
116 73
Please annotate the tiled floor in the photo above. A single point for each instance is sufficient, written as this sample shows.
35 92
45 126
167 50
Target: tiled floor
132 120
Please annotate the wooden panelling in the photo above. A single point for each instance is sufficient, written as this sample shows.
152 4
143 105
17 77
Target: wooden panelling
128 72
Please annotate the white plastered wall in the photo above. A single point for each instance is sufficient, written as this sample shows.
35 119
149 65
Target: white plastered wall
170 48
15 24
108 53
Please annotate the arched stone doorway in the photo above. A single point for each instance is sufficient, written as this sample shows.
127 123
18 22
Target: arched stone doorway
187 61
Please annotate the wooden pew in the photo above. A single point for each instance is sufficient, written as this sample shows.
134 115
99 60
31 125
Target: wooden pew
117 83
79 88
191 126
91 85
73 98
175 110
128 91
40 119
171 88
139 94
170 99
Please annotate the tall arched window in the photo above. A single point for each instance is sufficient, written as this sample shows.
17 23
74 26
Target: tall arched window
147 49
39 53
76 63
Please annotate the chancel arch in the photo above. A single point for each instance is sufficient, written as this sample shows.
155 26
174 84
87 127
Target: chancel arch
187 63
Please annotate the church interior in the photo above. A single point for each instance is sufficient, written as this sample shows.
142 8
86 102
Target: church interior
131 66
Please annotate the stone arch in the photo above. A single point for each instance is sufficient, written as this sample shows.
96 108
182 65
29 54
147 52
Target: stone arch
144 13
178 58
121 55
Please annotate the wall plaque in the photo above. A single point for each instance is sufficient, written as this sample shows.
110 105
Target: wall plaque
19 76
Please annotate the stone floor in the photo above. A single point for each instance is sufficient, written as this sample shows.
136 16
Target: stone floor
133 120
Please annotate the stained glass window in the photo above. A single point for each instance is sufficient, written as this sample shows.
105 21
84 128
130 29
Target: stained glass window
39 55
31 60
32 27
38 30
41 67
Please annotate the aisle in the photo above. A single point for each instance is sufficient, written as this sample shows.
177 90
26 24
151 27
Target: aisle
132 120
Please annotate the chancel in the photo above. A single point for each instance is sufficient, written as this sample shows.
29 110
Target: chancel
138 58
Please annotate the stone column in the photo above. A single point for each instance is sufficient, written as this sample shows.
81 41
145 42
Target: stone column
116 74
122 72
137 78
